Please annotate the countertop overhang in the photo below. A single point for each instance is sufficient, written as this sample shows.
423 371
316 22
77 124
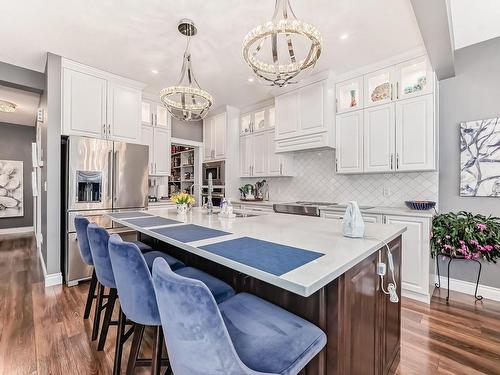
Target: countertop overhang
308 233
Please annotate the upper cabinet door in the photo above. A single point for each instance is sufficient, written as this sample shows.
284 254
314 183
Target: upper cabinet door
219 137
148 140
124 113
260 150
379 87
275 166
349 142
415 77
162 152
246 124
312 107
287 114
271 117
379 138
259 120
84 104
349 95
208 135
415 134
162 117
246 154
147 117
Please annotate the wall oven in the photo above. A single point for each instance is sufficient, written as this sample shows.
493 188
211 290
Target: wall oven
217 168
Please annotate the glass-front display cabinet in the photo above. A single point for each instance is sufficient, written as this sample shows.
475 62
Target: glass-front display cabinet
379 87
415 78
350 95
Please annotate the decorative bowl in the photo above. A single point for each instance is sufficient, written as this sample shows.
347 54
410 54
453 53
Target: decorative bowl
420 205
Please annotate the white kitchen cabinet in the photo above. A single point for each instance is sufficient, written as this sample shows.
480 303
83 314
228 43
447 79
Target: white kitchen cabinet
415 134
256 121
304 118
379 87
261 156
417 266
379 138
124 113
349 95
246 156
100 104
349 142
414 78
155 114
159 141
84 104
287 114
214 137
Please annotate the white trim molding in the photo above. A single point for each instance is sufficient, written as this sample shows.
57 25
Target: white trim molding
467 287
50 279
17 230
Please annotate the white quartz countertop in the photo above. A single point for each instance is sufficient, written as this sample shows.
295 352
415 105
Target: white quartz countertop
309 233
400 211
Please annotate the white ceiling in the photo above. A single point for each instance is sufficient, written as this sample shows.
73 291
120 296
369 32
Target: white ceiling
474 21
27 105
130 37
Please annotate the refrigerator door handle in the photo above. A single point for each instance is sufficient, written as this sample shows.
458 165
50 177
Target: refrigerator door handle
115 180
110 173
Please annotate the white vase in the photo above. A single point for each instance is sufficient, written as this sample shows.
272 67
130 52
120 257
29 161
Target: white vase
182 209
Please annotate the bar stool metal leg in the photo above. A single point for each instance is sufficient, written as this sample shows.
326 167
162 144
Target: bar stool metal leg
110 305
156 364
135 348
119 343
97 314
91 296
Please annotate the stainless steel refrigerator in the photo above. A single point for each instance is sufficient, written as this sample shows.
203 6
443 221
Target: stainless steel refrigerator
99 177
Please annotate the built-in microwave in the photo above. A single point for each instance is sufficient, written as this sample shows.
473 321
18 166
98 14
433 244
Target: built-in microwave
217 168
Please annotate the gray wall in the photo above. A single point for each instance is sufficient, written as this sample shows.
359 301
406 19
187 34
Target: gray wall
473 94
15 144
21 78
187 130
50 101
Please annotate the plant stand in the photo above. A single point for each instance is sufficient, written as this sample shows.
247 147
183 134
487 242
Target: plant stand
451 258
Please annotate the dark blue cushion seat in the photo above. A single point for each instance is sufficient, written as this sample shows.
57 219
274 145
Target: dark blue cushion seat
268 338
142 246
219 289
150 256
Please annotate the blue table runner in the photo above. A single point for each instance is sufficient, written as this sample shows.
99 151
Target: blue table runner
153 221
266 256
125 214
189 232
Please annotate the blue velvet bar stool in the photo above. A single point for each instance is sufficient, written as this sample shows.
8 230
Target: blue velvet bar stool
98 240
244 335
81 224
137 296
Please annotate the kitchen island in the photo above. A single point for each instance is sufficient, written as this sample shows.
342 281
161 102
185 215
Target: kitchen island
303 264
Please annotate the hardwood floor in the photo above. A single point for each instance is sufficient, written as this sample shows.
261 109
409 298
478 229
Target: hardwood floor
42 330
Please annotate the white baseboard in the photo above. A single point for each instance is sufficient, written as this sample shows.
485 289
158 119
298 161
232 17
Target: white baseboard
467 287
50 279
416 296
17 230
53 279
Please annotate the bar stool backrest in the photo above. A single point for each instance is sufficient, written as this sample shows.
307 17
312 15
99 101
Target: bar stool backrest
98 240
81 224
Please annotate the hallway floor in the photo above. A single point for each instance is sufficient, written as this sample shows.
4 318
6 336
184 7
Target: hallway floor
42 330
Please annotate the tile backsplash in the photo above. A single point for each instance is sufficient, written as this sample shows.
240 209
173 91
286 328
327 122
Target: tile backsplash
315 180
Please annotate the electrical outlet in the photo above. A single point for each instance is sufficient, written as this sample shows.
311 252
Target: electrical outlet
386 191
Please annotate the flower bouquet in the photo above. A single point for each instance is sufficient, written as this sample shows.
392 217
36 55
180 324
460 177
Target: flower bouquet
184 202
466 236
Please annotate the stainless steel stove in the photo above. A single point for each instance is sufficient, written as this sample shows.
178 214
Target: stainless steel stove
307 208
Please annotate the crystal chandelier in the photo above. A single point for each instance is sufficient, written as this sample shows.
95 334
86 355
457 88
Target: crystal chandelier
186 101
6 106
271 49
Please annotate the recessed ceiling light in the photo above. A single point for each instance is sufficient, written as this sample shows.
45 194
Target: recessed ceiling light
6 106
344 36
251 79
154 71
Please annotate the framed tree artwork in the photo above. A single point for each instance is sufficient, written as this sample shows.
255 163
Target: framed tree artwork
480 158
11 188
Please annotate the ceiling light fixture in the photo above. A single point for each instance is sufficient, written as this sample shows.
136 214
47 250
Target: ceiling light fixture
344 36
154 71
269 49
6 106
186 101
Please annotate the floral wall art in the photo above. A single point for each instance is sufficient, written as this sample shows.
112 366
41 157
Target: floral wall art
11 188
480 158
